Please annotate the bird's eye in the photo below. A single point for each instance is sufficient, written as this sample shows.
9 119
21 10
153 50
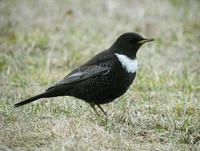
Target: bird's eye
131 40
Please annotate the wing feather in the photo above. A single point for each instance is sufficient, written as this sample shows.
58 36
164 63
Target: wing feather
83 73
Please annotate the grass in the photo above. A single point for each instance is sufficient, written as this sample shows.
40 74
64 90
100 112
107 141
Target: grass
42 41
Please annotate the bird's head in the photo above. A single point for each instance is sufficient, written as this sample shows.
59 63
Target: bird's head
129 43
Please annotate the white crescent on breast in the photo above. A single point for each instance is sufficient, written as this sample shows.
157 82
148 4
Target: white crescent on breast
129 64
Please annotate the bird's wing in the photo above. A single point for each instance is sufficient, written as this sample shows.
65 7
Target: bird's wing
83 73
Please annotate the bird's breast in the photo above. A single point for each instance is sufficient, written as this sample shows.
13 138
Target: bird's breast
130 65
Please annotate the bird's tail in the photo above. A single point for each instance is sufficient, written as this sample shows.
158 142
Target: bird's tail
42 95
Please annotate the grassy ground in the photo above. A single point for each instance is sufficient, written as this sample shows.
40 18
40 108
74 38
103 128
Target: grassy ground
41 41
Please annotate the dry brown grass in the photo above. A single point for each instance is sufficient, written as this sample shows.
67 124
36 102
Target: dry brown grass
41 41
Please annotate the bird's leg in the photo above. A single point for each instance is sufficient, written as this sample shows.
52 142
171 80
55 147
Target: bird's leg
102 109
94 109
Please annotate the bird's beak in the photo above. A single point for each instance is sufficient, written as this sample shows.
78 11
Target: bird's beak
145 40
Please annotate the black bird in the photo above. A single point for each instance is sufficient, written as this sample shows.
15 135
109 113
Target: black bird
103 78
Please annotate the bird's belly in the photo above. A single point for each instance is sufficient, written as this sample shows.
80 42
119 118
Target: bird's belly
104 89
122 84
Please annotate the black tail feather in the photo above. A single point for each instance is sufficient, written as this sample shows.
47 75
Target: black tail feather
30 100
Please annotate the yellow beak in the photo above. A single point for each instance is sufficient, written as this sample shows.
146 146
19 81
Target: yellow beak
145 40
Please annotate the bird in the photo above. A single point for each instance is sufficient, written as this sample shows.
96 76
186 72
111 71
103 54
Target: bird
103 78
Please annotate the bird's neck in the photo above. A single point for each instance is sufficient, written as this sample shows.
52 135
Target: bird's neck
129 53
